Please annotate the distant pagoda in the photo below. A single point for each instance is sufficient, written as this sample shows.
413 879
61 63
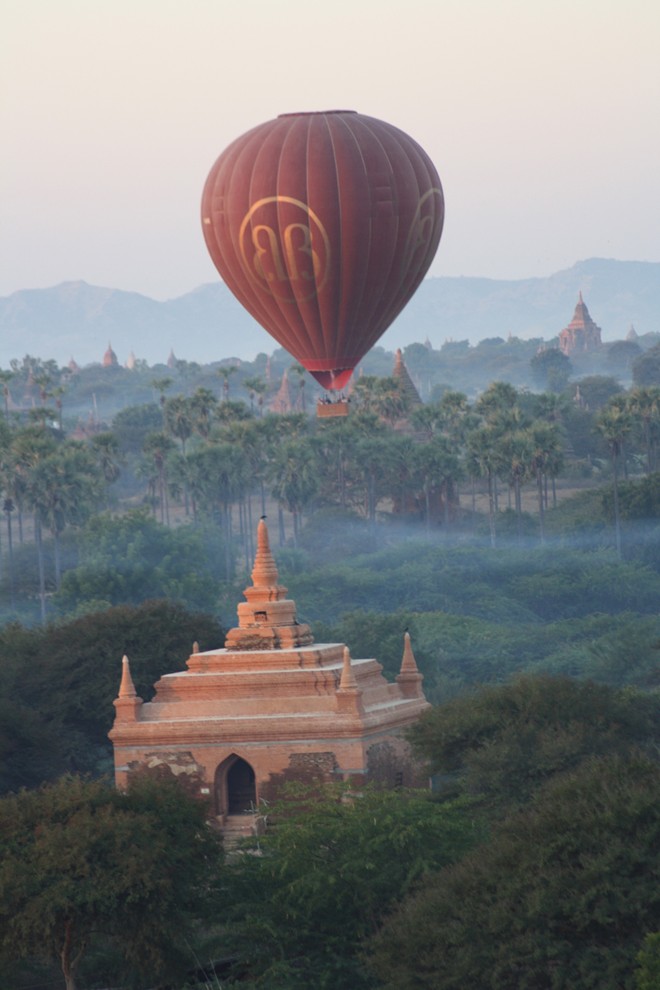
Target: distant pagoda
110 358
581 334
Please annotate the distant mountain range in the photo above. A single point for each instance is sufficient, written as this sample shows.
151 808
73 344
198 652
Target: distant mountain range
78 320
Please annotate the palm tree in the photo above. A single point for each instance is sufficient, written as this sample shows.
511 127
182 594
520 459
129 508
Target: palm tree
203 404
104 448
497 404
516 448
156 449
545 447
644 404
62 489
256 387
372 454
5 378
614 423
294 479
8 507
219 474
178 413
455 415
382 396
484 461
300 372
225 372
161 386
437 468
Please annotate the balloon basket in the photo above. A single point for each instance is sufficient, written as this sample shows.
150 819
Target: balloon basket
327 409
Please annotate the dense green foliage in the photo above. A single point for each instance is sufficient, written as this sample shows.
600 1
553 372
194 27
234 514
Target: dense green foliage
326 876
503 743
133 558
57 684
84 866
560 896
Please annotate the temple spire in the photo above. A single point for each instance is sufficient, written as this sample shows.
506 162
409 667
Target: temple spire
126 688
264 572
408 663
127 703
267 619
348 681
349 699
409 678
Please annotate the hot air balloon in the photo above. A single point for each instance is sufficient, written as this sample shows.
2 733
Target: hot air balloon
323 225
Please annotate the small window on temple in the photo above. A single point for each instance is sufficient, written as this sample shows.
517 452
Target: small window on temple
398 778
260 616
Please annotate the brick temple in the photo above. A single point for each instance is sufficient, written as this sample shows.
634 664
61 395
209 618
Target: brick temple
271 706
581 334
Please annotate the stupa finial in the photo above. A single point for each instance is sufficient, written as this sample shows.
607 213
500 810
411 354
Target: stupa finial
408 663
127 703
264 572
409 678
348 681
126 688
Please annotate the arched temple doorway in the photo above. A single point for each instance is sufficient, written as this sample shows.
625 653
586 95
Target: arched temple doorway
235 787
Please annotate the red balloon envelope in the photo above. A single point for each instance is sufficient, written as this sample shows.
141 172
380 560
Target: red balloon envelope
323 225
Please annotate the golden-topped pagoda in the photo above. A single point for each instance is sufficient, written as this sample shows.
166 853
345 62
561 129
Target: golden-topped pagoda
271 706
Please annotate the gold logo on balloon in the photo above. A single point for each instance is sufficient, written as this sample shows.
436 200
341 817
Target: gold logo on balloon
284 248
422 229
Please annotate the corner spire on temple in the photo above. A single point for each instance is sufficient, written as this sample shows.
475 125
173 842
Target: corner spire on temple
347 681
409 678
127 703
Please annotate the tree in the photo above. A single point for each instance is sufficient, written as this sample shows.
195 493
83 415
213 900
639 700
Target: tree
179 419
132 558
132 425
105 449
544 459
334 864
73 671
294 479
63 488
551 369
383 396
30 447
300 373
644 405
597 390
437 468
615 423
156 449
483 459
225 372
161 386
203 404
622 353
516 448
648 959
646 367
498 405
256 388
83 863
501 744
219 475
560 896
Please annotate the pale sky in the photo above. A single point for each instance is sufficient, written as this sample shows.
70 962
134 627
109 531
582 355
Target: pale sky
541 116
